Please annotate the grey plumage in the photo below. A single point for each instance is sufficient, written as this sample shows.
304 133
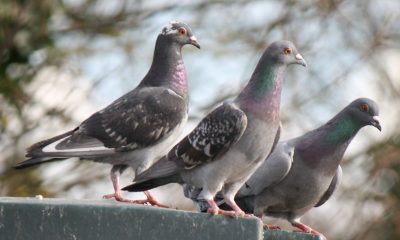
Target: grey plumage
303 172
231 141
138 128
332 187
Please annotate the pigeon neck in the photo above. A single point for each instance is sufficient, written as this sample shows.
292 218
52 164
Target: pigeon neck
340 130
325 146
167 68
262 94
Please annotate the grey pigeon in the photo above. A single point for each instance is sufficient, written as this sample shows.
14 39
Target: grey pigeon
138 128
303 172
229 144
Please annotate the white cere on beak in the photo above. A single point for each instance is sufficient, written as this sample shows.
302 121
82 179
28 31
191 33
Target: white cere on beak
298 57
193 38
300 60
376 118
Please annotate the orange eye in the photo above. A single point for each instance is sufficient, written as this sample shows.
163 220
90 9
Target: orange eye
287 51
364 107
182 31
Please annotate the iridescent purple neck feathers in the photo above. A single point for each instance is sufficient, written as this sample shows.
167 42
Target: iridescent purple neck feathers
167 68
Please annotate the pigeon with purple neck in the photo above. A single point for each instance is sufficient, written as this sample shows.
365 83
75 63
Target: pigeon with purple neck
137 129
230 143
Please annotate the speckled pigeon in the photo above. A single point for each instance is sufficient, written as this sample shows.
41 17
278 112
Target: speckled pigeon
230 142
138 128
303 172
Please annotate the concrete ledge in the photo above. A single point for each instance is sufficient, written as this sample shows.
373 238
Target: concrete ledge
31 218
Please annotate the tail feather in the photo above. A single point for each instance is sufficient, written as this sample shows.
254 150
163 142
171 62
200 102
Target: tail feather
37 156
162 168
36 161
152 183
73 143
36 149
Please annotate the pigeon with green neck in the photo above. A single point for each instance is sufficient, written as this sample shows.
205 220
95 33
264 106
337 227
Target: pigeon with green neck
230 143
303 172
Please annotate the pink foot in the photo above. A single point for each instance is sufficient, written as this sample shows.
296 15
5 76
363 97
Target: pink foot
307 229
233 214
119 198
219 211
152 201
215 210
108 196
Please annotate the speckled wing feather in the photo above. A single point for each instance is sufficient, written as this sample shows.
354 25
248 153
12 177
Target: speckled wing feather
212 137
138 119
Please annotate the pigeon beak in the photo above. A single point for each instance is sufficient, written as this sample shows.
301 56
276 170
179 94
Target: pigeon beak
300 60
193 41
376 123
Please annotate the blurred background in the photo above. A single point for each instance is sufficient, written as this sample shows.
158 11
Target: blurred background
63 60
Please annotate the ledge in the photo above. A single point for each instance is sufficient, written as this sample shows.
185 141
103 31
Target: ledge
31 218
285 235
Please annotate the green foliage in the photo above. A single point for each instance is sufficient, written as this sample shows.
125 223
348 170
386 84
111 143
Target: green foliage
24 30
24 183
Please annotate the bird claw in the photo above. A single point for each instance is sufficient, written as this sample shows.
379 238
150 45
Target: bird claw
155 203
306 229
232 214
108 196
118 198
150 200
213 211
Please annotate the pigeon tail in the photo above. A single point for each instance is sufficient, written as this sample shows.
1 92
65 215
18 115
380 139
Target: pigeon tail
67 145
36 149
36 161
152 183
162 168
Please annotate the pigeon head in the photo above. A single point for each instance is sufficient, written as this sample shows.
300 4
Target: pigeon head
284 52
365 112
179 33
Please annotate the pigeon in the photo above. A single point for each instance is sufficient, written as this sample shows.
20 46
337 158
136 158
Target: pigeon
138 128
303 172
229 143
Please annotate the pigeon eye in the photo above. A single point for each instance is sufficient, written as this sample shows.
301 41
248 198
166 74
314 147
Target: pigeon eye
364 107
287 51
182 31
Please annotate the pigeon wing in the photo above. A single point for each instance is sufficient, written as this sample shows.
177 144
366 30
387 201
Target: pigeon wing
138 119
271 171
212 137
332 187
